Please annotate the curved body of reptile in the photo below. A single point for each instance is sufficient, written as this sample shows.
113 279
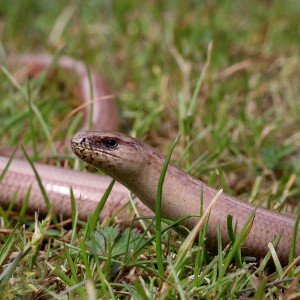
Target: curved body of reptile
137 166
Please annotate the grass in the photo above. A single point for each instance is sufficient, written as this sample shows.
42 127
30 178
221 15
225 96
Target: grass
235 104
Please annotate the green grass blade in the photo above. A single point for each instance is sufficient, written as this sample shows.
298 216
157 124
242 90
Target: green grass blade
40 184
158 209
140 292
259 294
91 104
238 243
220 261
231 235
294 239
276 259
6 274
267 258
24 206
195 98
74 214
96 214
71 264
201 236
188 242
85 259
4 251
8 164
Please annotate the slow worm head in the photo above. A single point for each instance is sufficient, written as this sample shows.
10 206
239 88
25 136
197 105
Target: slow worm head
138 166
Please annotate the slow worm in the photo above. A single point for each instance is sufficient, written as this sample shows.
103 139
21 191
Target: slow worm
137 166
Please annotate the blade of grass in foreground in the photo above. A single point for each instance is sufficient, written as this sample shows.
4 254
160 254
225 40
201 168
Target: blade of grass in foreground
266 259
8 164
231 234
68 281
262 266
188 242
201 242
74 214
5 213
32 128
71 264
91 90
40 184
200 255
275 257
294 237
24 206
237 245
167 228
95 216
84 253
158 228
5 250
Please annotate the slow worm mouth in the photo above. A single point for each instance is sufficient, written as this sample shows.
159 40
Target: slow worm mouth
105 152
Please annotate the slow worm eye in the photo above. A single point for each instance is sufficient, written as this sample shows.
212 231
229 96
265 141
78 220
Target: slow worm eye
83 141
111 143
